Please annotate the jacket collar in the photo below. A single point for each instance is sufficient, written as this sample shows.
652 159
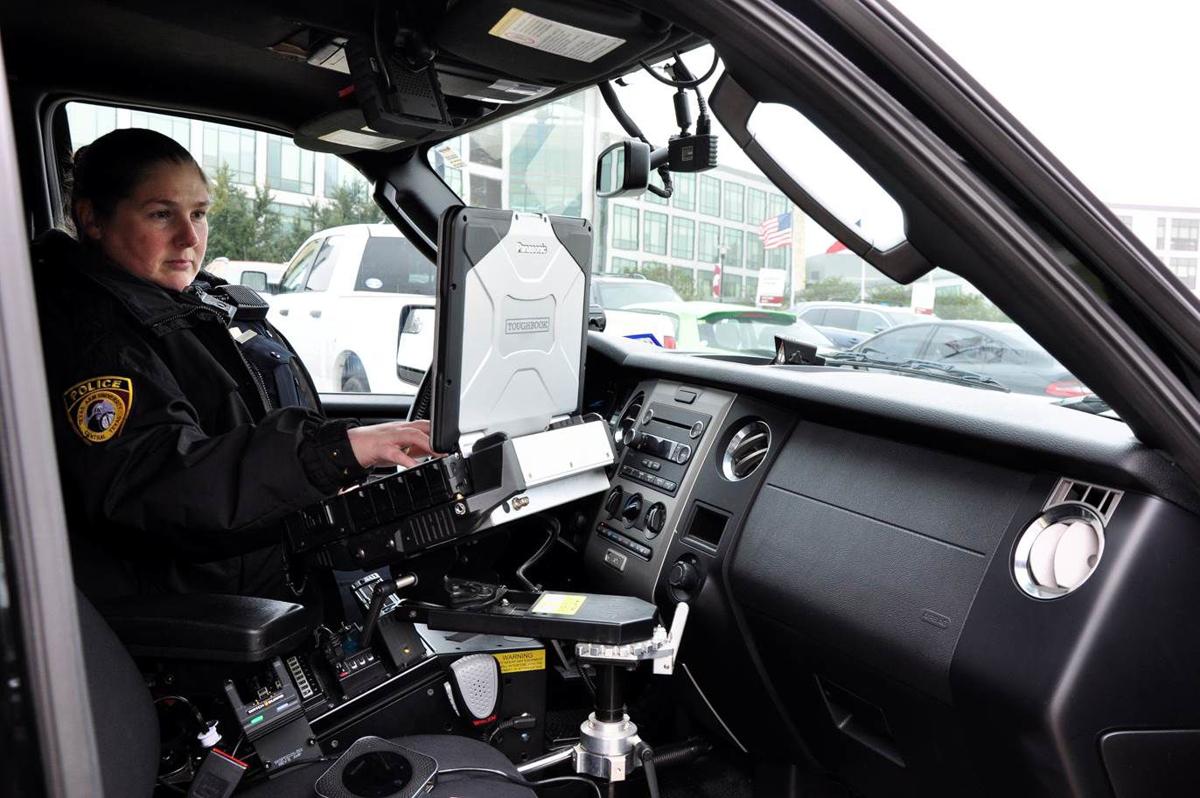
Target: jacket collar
150 305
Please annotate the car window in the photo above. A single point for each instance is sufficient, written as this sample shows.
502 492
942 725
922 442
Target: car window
722 234
870 322
814 316
392 265
268 199
960 345
614 296
322 270
899 343
841 318
296 272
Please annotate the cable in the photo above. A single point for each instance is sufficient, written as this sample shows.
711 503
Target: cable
195 712
525 782
383 70
683 84
555 529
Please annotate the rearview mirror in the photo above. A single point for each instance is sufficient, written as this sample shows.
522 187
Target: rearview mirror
623 168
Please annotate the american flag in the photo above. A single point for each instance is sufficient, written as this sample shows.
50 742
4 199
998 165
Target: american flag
776 231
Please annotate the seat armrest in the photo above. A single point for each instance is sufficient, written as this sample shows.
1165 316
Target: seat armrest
207 627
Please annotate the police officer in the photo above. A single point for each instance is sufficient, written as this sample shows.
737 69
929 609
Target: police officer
186 426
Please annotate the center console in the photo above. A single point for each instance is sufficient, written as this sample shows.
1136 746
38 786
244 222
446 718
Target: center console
665 433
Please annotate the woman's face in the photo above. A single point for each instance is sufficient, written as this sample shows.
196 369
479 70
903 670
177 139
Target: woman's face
160 231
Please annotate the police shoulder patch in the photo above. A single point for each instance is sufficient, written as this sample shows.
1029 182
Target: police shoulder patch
97 408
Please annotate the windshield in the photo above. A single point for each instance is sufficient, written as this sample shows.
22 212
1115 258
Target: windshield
1116 70
614 296
728 236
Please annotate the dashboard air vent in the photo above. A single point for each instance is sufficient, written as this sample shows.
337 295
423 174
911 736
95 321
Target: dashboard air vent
746 450
1102 500
1059 550
623 434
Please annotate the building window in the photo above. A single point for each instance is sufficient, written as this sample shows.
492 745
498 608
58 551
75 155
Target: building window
624 266
487 146
733 247
683 195
756 206
709 243
231 147
754 252
485 192
779 258
1161 238
89 122
735 201
683 238
650 196
1185 234
776 204
625 227
710 196
289 168
1185 269
173 126
654 231
338 173
546 146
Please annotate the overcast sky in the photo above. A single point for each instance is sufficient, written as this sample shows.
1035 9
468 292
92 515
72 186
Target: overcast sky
1107 86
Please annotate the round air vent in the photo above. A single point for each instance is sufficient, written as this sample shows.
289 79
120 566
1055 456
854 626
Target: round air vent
746 450
1058 551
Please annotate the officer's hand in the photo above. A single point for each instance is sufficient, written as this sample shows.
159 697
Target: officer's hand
393 443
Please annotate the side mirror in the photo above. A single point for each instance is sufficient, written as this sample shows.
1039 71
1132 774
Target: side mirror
255 280
623 168
596 319
414 345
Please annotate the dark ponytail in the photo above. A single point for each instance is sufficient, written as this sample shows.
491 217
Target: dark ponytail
110 168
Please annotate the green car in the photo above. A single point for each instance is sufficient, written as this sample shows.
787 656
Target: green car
722 328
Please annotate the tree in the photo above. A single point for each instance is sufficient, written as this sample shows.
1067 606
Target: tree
830 289
242 227
896 295
966 306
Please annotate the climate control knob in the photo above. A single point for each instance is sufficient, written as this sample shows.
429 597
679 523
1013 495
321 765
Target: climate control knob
656 516
612 502
683 576
632 509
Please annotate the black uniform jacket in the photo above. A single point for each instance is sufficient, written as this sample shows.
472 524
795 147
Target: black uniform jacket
177 465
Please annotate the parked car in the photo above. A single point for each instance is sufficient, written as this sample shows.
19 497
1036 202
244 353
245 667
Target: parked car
850 323
731 329
1000 350
262 276
344 299
615 294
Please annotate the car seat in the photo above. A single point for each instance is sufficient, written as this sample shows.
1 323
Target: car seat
127 737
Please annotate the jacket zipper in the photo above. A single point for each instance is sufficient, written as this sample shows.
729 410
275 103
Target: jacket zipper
255 375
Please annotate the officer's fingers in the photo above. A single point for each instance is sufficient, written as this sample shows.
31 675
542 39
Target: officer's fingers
421 424
397 456
414 440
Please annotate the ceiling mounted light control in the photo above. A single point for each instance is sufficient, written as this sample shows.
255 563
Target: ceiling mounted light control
1058 551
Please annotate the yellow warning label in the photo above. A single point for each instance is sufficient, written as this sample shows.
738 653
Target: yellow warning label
558 604
520 661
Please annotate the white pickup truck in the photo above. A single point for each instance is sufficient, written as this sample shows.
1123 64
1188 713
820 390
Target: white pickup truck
343 300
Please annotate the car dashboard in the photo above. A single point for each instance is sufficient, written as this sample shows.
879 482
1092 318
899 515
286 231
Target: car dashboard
855 551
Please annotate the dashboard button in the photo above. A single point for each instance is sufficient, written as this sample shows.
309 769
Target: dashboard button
656 517
669 485
697 430
615 559
682 453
